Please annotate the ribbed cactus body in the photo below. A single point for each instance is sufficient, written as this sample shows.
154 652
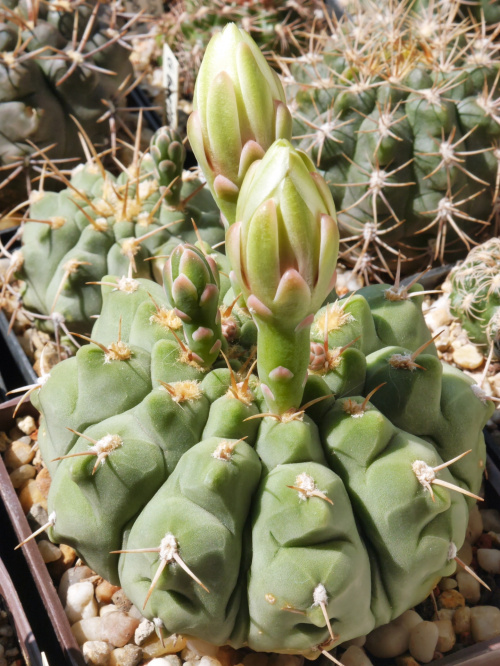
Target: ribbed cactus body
253 519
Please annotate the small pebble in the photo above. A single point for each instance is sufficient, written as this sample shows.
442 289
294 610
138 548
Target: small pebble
406 660
211 661
468 357
26 424
49 551
468 587
446 635
118 628
96 653
43 481
143 631
451 599
484 623
389 640
6 631
172 660
104 592
30 494
37 516
22 474
129 655
121 601
20 452
159 661
446 613
87 630
491 520
12 652
489 560
409 619
423 641
105 610
80 602
461 620
70 577
447 584
474 526
355 656
358 642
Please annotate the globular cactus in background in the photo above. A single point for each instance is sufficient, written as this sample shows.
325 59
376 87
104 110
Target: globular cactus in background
475 295
276 27
101 223
288 510
57 60
399 111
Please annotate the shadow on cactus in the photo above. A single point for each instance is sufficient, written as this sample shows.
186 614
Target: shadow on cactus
101 224
398 108
286 502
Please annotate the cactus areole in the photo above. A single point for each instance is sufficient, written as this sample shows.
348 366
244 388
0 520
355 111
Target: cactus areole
258 463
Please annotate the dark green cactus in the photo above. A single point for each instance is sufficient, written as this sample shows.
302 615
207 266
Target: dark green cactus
397 110
475 295
101 224
289 510
57 60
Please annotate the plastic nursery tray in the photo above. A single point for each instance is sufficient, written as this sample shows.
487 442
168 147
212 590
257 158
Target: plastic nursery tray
24 633
67 645
486 653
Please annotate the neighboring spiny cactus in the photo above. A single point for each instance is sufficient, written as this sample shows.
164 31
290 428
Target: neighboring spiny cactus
101 224
475 295
399 111
289 511
277 27
57 59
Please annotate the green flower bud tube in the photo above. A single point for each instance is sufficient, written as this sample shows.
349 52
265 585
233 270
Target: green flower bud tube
192 285
239 111
283 251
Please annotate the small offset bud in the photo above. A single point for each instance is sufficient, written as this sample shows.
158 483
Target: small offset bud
192 285
239 111
168 155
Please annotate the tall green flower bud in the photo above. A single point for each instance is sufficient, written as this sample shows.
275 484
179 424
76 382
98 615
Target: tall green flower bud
283 251
239 111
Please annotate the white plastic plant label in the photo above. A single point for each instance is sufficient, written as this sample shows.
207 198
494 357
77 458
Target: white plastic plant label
171 85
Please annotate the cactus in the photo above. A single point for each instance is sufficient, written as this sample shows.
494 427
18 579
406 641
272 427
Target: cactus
288 510
57 60
101 224
276 27
475 295
399 112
